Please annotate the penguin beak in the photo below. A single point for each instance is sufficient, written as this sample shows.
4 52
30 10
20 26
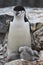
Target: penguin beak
17 13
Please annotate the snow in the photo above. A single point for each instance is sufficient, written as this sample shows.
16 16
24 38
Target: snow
33 14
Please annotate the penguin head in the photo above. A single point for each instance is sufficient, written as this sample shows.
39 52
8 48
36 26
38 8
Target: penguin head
19 10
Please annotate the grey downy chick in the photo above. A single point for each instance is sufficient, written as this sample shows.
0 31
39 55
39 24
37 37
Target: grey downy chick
26 53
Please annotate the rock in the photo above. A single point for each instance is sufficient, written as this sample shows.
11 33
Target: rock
23 62
5 23
38 39
4 28
41 55
20 62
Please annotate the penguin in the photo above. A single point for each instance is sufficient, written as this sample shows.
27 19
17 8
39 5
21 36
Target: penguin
19 31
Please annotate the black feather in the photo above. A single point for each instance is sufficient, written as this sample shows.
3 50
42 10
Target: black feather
19 8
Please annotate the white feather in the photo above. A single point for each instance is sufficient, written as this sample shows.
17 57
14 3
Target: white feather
19 34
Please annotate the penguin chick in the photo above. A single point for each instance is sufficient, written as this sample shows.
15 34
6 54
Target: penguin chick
26 48
36 55
19 31
26 53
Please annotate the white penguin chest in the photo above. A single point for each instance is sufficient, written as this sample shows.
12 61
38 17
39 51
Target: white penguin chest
18 32
18 35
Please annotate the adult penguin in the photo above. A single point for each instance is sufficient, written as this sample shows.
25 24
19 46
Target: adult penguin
19 32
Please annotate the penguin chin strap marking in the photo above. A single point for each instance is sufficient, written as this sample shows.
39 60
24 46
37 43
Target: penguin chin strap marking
20 13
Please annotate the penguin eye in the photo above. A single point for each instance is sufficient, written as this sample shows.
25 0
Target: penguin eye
22 11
